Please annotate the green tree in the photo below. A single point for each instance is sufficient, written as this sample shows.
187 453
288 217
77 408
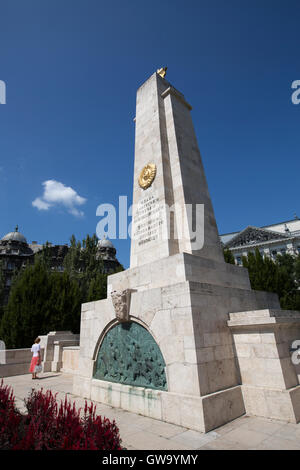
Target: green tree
262 271
277 276
228 256
86 268
290 270
97 288
2 291
23 317
64 304
297 270
44 255
39 302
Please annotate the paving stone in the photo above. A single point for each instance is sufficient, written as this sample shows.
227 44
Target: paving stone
140 421
230 426
273 443
245 437
148 441
194 439
165 429
222 444
126 430
261 425
288 431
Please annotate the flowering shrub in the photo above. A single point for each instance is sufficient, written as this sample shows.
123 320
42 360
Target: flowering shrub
48 425
10 418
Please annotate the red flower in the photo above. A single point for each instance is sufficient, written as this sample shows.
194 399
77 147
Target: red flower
48 425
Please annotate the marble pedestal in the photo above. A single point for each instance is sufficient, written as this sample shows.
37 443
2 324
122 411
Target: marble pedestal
186 312
263 341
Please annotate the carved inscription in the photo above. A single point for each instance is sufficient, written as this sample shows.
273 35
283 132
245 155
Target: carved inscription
148 220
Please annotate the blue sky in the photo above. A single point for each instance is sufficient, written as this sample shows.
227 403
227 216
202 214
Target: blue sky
72 69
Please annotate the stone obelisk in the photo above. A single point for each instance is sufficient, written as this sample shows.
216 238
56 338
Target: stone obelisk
165 138
160 344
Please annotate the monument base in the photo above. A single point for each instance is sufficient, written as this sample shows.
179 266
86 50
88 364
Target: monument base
263 342
282 404
199 413
188 321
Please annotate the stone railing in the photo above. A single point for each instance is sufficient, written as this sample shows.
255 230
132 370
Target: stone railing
59 351
16 361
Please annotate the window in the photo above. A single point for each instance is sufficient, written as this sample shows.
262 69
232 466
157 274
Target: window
239 260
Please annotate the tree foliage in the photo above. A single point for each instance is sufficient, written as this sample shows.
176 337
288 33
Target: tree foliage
2 291
228 256
82 264
281 276
39 302
43 300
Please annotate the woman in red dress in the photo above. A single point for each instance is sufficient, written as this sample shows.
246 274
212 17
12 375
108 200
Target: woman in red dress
36 358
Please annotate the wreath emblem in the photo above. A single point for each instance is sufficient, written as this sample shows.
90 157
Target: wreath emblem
147 175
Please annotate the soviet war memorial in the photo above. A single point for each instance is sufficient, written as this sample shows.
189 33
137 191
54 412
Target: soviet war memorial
182 337
173 327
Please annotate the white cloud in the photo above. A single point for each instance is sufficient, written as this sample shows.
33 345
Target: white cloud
40 204
57 194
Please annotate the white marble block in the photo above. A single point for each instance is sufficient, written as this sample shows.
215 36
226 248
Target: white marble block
263 342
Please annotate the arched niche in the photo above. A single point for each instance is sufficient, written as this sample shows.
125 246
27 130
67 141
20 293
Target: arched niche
129 355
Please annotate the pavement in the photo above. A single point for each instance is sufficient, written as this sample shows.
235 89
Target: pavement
142 433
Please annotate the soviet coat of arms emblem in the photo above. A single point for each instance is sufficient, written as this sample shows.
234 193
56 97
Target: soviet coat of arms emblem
147 175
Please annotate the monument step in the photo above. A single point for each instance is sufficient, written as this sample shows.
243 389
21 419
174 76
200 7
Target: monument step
179 268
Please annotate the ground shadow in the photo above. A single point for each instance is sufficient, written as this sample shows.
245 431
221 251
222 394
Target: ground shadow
48 377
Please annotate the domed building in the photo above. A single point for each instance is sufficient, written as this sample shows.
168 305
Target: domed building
14 237
107 252
15 253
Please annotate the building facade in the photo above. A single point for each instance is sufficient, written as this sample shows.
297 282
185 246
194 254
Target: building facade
271 240
16 254
107 252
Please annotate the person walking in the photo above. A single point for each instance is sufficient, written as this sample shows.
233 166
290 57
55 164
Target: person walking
36 358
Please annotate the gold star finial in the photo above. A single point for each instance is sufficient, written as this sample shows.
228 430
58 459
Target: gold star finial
162 72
